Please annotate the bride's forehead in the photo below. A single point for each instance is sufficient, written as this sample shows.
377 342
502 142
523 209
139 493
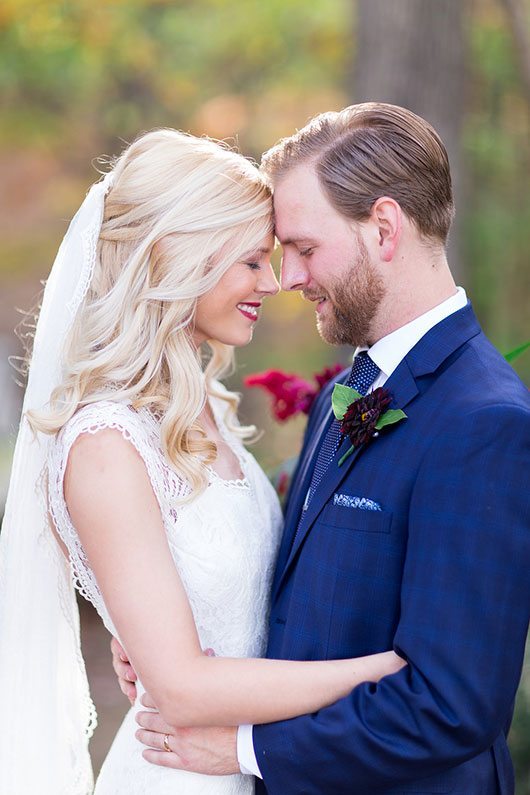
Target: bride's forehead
264 248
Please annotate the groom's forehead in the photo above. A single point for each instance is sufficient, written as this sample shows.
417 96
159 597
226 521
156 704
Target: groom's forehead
292 228
300 214
299 194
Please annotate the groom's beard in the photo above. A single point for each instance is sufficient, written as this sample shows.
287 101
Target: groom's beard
355 300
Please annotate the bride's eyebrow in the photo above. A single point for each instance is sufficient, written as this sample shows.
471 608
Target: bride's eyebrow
256 253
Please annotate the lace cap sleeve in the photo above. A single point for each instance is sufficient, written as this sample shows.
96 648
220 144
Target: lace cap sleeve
142 431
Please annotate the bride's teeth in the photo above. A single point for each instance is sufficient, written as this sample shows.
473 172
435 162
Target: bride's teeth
247 308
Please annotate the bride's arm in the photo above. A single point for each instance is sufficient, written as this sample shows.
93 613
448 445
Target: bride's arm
117 517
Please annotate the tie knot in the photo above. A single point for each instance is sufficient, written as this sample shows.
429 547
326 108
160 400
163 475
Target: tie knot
363 373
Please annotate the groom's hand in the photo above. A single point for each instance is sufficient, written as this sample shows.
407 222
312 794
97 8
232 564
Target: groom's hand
210 751
124 670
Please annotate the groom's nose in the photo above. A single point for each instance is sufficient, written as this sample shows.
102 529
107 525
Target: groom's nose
294 274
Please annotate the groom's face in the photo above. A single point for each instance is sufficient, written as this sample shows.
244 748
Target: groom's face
326 258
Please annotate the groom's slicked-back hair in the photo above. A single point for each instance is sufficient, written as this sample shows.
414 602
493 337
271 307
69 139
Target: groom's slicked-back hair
370 150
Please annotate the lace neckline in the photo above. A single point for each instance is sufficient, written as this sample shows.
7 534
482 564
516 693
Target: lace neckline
238 483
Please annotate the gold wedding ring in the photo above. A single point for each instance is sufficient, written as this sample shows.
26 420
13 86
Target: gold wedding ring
166 743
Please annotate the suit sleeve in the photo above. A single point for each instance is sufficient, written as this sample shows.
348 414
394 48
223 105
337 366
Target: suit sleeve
464 620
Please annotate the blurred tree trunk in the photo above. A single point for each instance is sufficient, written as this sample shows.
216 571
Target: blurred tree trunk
518 20
412 53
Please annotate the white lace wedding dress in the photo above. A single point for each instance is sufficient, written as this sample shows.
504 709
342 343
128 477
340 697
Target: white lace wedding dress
224 546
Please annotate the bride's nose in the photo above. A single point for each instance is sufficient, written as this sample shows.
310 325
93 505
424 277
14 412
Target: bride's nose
268 284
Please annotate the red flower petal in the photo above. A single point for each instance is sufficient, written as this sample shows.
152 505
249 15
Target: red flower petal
283 484
291 393
327 374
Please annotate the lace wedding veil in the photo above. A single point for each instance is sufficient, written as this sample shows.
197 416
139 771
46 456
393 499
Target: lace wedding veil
47 714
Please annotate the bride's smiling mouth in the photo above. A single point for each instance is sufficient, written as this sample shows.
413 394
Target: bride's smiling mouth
249 309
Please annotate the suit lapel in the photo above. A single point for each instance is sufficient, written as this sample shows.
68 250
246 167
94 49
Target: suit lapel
301 485
306 468
300 488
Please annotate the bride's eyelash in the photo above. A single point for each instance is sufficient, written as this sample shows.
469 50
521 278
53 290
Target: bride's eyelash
254 266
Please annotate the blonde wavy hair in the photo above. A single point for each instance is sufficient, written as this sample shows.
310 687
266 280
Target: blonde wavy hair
180 212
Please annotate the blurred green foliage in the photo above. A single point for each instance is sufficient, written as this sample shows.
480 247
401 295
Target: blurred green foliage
108 70
497 212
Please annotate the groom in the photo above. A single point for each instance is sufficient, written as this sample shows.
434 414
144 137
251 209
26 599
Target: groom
420 540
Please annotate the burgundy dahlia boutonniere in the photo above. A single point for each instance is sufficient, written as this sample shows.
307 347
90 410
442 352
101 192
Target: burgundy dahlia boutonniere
291 394
361 417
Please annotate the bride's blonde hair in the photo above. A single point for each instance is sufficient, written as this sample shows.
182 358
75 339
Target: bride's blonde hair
180 212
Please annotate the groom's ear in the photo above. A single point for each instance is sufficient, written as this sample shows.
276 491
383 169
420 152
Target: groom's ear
387 217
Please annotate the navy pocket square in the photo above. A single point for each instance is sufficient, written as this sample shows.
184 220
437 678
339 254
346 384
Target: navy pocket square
362 503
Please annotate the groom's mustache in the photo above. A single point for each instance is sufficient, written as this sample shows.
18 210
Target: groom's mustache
314 296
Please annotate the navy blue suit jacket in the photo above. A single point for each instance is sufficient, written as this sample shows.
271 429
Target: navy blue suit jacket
441 574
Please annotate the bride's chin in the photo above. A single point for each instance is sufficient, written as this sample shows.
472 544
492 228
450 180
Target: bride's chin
242 338
242 343
235 341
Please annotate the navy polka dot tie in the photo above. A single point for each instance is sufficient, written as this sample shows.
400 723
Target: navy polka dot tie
362 375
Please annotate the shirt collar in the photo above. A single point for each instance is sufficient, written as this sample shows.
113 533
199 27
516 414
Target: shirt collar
389 351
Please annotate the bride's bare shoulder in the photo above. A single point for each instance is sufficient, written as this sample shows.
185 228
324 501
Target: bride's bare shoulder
103 449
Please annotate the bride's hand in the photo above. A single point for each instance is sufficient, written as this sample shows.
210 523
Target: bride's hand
124 670
126 673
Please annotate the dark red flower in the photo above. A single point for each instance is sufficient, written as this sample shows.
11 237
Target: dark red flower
291 393
361 416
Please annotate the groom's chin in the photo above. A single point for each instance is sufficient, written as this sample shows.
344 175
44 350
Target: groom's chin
334 332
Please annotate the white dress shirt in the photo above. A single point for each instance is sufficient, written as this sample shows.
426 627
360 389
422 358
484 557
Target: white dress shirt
387 353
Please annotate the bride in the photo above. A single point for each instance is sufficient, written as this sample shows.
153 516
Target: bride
131 480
